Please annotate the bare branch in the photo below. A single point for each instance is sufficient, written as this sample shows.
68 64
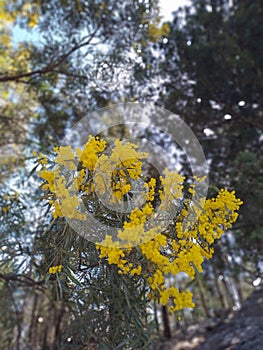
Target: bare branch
21 279
51 66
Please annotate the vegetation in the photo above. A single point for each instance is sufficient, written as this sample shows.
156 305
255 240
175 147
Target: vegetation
61 288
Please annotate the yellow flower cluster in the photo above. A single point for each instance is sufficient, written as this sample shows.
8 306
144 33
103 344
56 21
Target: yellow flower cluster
89 156
116 171
183 251
54 269
7 201
66 157
156 32
49 176
6 209
143 247
59 182
172 190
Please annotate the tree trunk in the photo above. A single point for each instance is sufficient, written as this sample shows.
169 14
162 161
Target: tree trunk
166 323
202 297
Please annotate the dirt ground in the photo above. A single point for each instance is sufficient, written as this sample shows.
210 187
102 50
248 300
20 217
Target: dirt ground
242 330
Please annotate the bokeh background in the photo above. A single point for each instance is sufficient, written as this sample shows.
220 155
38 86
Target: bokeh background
60 60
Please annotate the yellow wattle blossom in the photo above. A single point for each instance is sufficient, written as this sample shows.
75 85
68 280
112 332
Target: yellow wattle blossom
33 20
172 190
156 32
56 210
138 216
143 248
54 269
42 159
66 157
151 189
67 204
49 176
136 270
89 156
126 165
31 12
114 173
6 209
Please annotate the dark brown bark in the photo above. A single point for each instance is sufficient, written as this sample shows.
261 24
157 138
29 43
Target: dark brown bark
166 323
51 66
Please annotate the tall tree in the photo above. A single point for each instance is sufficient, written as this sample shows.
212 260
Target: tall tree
213 69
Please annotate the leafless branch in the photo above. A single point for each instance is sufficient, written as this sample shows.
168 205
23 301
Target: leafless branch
51 66
21 279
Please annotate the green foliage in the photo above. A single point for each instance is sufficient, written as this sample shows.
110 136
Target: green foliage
100 308
89 54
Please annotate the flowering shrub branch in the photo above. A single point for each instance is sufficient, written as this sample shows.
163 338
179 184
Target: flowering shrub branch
150 242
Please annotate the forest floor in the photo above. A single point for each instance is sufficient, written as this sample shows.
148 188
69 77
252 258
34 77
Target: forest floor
241 330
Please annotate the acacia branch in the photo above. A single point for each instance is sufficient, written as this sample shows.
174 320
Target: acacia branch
21 279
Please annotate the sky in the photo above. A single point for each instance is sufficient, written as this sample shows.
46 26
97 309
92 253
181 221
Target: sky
168 6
